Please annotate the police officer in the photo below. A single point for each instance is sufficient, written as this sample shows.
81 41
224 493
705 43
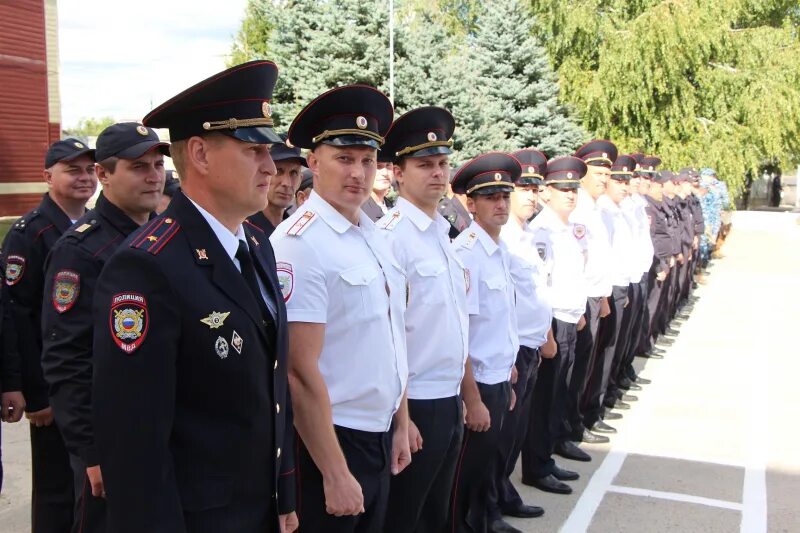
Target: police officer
487 181
562 246
70 175
304 190
190 396
378 203
131 170
534 316
451 207
598 156
437 321
680 237
659 217
282 187
345 294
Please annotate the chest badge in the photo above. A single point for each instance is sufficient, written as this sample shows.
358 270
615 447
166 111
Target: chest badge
221 347
237 342
201 253
215 319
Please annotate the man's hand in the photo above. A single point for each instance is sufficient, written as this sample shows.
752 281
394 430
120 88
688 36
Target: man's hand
343 496
661 276
581 322
41 418
681 259
605 309
12 405
672 261
401 454
478 418
414 437
549 348
627 301
96 481
695 242
289 522
513 402
514 375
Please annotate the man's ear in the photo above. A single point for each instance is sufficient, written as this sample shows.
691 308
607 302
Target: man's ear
102 174
471 204
197 154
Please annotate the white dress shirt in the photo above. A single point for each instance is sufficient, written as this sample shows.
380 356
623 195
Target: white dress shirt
623 245
565 252
634 208
598 244
346 277
437 321
493 340
534 314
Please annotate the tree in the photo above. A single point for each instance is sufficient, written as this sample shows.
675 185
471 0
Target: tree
252 38
89 127
699 82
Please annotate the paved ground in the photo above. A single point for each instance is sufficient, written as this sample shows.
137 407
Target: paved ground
712 444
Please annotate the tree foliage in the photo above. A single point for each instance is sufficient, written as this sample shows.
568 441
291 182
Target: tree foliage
89 127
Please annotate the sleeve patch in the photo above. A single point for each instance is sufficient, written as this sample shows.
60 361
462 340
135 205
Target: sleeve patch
66 288
285 279
579 231
15 268
129 321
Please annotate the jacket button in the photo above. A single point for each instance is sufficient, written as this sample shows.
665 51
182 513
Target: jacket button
278 407
278 454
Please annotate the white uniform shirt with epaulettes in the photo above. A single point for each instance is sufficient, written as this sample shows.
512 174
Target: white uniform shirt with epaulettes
623 244
437 320
634 208
345 276
565 251
493 339
534 314
598 243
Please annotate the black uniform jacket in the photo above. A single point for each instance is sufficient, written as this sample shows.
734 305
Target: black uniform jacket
191 402
71 273
456 215
261 221
697 215
660 232
25 249
373 210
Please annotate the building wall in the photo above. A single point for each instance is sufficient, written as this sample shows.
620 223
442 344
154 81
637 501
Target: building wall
27 125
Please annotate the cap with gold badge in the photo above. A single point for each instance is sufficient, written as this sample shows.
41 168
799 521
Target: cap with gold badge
421 132
487 174
128 140
66 150
534 166
565 172
597 153
236 102
646 165
623 168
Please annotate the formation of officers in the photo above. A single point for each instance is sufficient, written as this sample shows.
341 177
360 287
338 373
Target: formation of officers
281 348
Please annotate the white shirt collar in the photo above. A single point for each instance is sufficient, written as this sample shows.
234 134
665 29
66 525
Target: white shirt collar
228 240
334 218
420 219
488 243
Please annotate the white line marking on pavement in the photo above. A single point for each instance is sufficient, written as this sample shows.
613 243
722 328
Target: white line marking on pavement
675 496
581 516
754 497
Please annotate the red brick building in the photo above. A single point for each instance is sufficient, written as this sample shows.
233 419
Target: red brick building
30 112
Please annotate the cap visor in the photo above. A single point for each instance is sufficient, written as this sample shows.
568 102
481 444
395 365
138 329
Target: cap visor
256 135
76 155
300 160
564 186
432 150
138 150
351 140
486 191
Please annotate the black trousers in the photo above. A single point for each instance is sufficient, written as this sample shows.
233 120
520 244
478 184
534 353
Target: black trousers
475 471
654 289
419 497
53 499
547 426
642 332
637 294
502 494
368 457
586 346
623 337
89 511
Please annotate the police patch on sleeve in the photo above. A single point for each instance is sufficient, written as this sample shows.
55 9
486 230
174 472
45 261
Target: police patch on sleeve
66 288
285 279
579 231
129 321
15 268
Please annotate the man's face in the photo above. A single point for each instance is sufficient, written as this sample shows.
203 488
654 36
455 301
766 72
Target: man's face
644 185
561 199
595 180
669 187
490 210
239 174
72 180
423 180
524 201
686 188
284 183
343 174
301 196
617 190
656 191
136 185
383 178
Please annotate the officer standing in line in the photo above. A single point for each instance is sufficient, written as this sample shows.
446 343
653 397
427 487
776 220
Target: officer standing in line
437 321
598 156
668 193
562 246
303 190
699 222
345 295
487 181
687 238
680 242
534 316
70 175
452 208
282 187
131 170
378 203
192 422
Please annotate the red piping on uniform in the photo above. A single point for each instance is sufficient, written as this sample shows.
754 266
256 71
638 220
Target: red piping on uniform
287 473
455 480
168 235
146 230
253 225
42 231
112 241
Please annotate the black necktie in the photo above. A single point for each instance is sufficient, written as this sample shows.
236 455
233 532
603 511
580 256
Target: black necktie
250 277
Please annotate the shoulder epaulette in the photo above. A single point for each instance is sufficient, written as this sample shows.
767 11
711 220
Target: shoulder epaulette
253 226
470 241
80 232
155 235
301 224
25 220
389 220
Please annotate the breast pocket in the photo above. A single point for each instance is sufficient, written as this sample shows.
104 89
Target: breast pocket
427 285
361 288
493 294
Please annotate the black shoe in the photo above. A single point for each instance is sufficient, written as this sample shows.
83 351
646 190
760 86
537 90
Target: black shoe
634 387
602 427
564 475
591 438
501 526
643 381
622 406
658 351
611 415
665 341
568 450
694 284
629 398
671 332
524 511
653 355
550 484
624 383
